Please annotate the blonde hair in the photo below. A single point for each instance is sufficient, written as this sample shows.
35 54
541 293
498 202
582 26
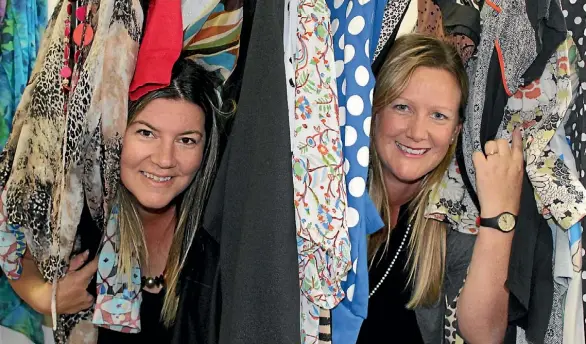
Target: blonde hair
427 246
189 82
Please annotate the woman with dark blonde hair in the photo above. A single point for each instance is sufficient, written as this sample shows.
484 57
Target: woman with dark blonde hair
419 98
167 165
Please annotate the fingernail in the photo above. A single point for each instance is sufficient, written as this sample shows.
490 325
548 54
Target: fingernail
86 253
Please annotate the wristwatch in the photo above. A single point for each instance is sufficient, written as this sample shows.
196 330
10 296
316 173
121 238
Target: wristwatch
505 222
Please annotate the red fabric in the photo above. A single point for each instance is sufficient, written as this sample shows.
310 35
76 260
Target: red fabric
160 48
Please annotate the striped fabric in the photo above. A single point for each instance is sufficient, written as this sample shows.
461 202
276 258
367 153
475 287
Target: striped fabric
325 326
213 38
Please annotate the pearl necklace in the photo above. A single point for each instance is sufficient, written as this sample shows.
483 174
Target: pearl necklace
392 262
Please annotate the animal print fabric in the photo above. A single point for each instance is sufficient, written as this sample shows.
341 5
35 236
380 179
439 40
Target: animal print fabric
65 145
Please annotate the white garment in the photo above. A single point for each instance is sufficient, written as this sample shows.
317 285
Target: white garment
573 332
193 10
409 22
290 47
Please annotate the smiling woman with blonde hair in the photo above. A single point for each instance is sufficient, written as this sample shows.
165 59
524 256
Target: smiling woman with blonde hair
419 98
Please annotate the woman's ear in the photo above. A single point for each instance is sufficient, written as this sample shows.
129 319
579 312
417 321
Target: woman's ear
456 133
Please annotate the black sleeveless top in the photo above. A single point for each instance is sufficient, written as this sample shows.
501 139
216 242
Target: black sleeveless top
388 320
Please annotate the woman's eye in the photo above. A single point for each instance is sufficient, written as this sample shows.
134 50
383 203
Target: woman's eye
437 115
187 141
145 133
402 107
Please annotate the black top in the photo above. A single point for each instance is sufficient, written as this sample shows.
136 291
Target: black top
152 329
388 320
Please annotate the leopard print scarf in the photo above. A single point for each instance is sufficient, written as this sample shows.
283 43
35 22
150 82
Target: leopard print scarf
67 145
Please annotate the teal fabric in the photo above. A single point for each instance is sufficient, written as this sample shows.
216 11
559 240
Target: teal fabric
17 315
20 38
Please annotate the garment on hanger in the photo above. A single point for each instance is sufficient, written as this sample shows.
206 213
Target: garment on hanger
250 212
212 35
2 10
21 25
68 125
575 15
290 48
392 19
352 47
568 264
377 24
562 259
319 184
160 48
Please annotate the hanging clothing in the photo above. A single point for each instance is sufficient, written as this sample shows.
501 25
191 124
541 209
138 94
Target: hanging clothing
355 81
160 48
575 14
319 185
2 10
200 300
211 35
392 19
250 207
71 137
567 324
21 26
208 32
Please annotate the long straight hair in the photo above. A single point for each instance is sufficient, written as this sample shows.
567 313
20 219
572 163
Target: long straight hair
427 245
189 82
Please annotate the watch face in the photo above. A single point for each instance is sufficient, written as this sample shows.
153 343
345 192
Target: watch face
507 222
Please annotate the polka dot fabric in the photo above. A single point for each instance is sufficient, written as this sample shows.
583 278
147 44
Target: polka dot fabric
575 14
353 22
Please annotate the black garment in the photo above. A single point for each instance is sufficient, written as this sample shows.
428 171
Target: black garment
198 315
250 210
530 277
388 320
460 20
152 329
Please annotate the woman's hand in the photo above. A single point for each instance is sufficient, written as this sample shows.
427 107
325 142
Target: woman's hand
499 176
483 305
72 295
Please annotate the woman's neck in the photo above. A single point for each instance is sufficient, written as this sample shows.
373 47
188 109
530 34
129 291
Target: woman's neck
400 193
157 223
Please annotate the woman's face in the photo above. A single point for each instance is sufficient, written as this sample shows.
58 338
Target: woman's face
163 149
414 132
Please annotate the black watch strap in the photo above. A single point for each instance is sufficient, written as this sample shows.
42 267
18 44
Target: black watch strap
505 222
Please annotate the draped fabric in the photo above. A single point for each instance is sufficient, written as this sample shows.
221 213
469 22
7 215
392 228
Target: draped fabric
353 23
65 145
21 26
